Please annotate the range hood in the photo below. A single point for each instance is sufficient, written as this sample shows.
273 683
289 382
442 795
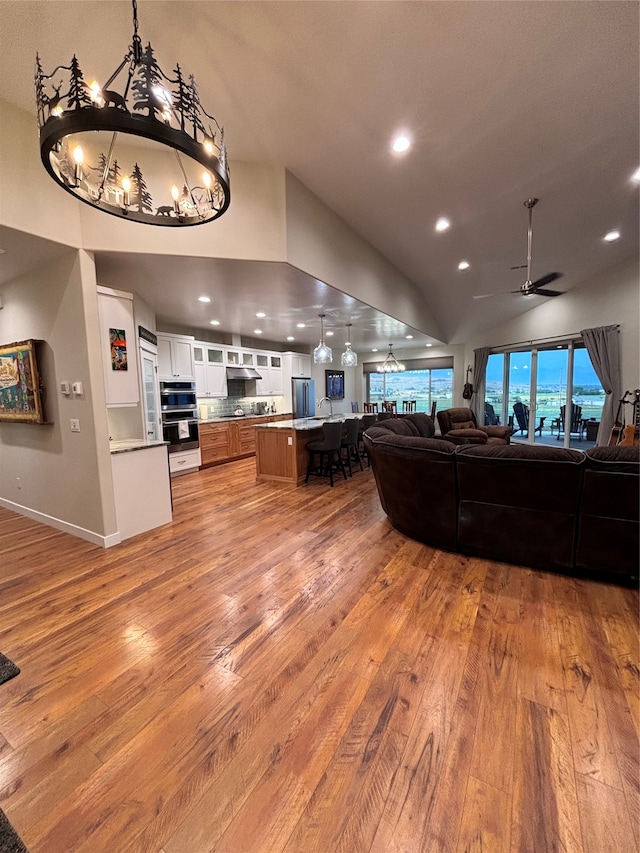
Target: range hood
242 373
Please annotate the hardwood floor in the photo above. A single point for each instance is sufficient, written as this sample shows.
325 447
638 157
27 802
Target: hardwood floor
283 671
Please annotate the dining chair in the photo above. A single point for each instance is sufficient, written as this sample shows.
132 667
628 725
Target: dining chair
390 406
408 405
370 407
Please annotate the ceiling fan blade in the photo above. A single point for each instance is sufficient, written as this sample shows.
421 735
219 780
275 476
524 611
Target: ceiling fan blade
519 267
546 279
540 292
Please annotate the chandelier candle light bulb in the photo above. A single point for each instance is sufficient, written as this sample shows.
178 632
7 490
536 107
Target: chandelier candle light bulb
78 159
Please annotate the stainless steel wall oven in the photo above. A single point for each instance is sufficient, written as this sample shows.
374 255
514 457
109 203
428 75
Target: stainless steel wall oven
179 411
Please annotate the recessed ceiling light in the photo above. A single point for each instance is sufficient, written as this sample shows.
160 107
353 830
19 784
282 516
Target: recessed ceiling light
463 265
442 224
214 322
203 299
300 325
636 176
374 349
329 334
429 345
408 337
257 331
401 143
290 338
260 314
612 236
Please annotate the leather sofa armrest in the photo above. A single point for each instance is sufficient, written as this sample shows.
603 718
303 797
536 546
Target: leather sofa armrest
498 431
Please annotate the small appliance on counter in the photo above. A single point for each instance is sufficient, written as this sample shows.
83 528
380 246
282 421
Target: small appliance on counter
238 412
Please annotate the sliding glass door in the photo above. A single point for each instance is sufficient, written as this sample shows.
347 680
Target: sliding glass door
550 394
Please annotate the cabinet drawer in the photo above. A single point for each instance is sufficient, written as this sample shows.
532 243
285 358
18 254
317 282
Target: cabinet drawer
180 463
247 439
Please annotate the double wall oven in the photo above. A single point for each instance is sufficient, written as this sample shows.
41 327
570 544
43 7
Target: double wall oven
179 411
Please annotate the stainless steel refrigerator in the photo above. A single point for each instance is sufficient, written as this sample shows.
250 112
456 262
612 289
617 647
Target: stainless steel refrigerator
304 398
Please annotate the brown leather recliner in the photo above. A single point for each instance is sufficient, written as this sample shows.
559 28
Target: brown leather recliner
459 426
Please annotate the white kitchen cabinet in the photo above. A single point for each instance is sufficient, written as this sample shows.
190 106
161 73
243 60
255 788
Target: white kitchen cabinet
210 370
300 365
175 357
269 366
119 347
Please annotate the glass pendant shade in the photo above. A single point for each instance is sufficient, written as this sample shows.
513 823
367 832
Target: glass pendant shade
322 354
348 358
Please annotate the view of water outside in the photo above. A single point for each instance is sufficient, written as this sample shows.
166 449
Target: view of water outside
551 390
423 386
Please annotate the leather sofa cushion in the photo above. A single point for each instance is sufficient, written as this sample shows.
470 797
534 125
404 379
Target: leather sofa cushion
609 512
518 503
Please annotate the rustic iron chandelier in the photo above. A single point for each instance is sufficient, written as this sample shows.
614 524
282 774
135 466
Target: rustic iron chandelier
391 363
142 149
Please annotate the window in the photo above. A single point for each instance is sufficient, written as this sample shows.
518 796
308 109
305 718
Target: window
425 386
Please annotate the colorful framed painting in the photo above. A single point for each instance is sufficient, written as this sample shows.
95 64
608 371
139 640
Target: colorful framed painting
20 391
118 344
335 384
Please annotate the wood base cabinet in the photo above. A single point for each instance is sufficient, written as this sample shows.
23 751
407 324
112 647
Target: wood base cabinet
224 441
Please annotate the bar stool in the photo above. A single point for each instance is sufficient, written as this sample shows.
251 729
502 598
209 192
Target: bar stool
328 453
370 407
408 405
350 442
365 422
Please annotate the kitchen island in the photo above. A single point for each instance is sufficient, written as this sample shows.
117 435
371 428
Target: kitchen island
281 449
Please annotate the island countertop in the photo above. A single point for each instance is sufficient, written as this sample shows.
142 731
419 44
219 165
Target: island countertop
306 424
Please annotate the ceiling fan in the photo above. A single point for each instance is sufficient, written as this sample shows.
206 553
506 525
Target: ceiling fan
530 288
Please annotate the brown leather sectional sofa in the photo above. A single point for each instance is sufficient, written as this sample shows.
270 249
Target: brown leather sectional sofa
539 506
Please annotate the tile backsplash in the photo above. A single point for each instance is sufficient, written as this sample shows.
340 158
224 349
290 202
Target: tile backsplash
220 406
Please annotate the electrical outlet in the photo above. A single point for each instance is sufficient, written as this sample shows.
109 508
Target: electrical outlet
289 440
75 425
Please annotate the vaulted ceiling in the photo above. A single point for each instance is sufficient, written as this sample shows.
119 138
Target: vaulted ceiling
502 101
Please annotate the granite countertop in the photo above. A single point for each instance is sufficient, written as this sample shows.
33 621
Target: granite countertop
306 424
126 445
219 418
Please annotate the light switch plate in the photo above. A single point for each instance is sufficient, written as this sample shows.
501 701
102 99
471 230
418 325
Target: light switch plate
75 425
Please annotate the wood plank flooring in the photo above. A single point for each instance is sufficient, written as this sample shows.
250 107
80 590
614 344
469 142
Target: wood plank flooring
281 670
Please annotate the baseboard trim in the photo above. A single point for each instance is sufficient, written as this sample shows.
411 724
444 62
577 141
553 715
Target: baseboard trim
64 526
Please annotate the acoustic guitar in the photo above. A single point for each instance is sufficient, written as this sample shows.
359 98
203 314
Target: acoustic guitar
632 431
618 426
467 391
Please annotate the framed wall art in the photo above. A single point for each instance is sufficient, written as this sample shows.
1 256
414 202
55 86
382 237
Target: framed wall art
20 391
335 384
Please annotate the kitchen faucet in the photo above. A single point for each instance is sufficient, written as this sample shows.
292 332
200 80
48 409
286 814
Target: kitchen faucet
328 399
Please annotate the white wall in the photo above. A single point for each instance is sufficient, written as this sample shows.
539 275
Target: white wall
47 471
323 245
613 297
